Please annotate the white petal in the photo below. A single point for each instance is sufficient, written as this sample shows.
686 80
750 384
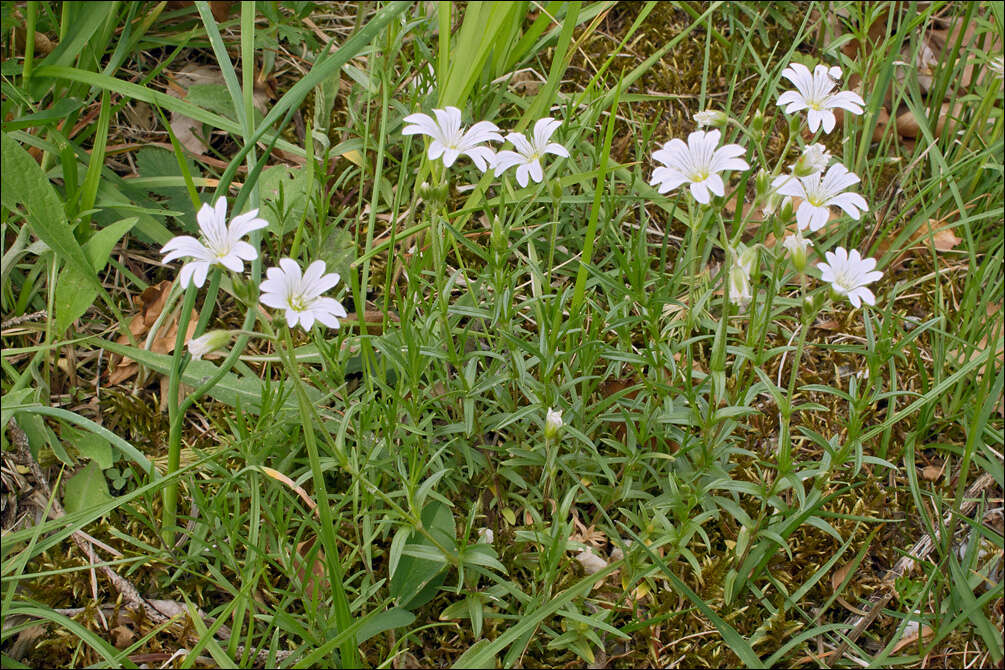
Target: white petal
231 262
557 149
522 172
813 119
715 184
245 223
520 142
700 193
199 271
504 160
449 156
829 120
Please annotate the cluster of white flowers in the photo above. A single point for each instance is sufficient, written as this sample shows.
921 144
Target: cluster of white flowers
449 140
817 183
286 288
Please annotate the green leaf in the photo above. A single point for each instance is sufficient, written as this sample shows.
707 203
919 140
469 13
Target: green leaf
86 489
416 580
92 447
212 97
23 182
59 110
74 294
230 390
395 617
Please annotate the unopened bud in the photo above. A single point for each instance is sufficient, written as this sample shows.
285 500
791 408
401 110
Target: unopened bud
433 195
757 124
553 424
787 210
815 159
795 125
556 189
797 246
209 342
711 117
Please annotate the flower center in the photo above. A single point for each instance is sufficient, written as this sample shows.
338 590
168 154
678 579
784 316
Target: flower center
297 303
843 281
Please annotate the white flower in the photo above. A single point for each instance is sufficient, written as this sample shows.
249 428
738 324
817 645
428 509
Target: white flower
814 94
798 247
300 295
553 423
697 163
818 194
848 273
486 536
711 117
815 158
223 246
208 342
448 139
527 156
740 291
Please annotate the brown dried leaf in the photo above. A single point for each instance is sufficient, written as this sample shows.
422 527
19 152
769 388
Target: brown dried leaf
317 581
839 575
935 231
912 634
151 303
122 636
932 473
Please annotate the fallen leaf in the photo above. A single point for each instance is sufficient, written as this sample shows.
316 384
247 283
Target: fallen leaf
151 303
934 231
932 473
911 634
316 583
122 636
839 575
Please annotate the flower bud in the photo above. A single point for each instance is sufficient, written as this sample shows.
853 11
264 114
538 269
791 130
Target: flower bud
762 182
486 536
797 246
740 292
787 211
711 117
556 189
209 342
433 196
815 159
553 424
757 124
795 125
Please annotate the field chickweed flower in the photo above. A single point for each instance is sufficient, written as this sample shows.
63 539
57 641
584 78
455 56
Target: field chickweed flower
448 139
848 273
300 295
698 163
224 246
552 424
813 93
527 156
819 194
815 158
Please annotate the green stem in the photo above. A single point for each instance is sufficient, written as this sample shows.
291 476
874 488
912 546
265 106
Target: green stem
343 616
176 415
